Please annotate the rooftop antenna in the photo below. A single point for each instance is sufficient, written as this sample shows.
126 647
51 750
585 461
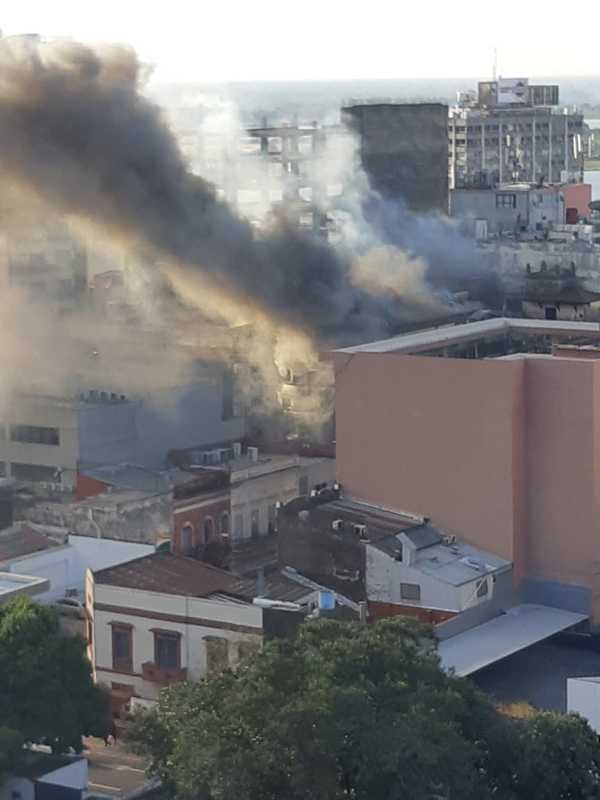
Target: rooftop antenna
495 71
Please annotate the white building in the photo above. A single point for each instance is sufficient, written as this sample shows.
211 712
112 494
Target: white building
43 776
257 486
61 564
421 572
165 618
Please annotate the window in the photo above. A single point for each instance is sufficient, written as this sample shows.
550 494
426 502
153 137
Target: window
224 523
303 486
482 589
209 529
506 201
34 434
187 533
35 473
410 591
167 649
122 647
217 655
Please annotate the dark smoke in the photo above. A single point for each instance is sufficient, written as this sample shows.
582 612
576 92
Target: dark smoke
75 128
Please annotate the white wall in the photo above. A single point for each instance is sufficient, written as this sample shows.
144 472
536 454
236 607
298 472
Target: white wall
583 697
193 647
74 775
65 566
384 576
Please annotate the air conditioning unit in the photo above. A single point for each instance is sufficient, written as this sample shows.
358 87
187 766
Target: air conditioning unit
237 449
449 540
361 530
337 524
253 453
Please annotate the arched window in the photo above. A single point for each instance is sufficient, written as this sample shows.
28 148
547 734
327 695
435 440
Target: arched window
187 537
209 529
224 524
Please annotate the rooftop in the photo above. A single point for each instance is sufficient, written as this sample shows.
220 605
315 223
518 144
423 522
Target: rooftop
446 559
520 334
170 574
131 476
12 585
22 540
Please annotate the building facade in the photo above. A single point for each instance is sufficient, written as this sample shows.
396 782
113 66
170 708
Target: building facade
165 618
404 151
481 427
513 135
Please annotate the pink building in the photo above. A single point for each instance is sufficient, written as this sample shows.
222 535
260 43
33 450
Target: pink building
494 433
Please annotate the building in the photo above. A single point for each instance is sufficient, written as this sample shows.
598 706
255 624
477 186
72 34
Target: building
45 439
400 564
14 585
491 429
43 776
557 294
165 618
61 560
510 208
239 492
513 131
424 573
404 150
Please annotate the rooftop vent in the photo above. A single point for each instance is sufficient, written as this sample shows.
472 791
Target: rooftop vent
253 453
303 515
337 524
237 449
450 540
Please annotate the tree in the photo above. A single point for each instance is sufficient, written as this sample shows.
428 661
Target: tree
341 711
46 689
11 751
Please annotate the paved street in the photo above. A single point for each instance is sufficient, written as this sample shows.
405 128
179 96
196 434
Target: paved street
113 770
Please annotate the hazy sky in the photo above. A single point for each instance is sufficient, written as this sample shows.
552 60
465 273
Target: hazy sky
216 40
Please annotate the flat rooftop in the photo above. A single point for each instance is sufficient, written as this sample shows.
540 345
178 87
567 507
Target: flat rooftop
451 561
12 585
511 335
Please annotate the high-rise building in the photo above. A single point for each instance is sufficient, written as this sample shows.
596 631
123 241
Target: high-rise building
404 150
513 132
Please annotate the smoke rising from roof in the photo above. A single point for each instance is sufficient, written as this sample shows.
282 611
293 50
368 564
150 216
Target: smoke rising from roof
76 130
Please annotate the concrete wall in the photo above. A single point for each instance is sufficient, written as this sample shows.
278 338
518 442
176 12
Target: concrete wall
181 417
472 204
384 576
237 623
44 412
504 453
146 519
65 567
108 433
252 492
404 150
434 437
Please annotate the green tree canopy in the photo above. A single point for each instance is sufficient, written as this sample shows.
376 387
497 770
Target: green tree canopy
11 750
362 712
46 689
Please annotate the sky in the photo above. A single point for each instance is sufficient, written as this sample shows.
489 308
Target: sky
231 40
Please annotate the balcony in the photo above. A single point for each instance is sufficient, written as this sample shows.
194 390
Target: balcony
152 672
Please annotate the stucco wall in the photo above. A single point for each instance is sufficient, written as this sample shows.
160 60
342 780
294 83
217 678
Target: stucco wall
172 611
435 437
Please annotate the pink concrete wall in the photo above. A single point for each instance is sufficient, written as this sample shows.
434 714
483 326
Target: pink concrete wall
562 522
434 436
577 195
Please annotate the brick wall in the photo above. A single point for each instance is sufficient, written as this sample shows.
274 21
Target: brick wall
195 514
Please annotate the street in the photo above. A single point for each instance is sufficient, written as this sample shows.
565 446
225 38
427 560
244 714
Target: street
113 770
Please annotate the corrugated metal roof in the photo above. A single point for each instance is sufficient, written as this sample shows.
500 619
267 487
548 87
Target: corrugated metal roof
518 628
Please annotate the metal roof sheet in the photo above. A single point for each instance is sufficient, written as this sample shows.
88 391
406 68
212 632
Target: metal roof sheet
518 628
